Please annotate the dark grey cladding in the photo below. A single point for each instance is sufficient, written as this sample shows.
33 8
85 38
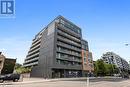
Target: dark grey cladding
59 53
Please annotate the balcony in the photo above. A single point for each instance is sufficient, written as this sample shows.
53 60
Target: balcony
31 64
69 53
36 43
35 40
69 36
62 27
33 51
31 60
69 59
72 64
68 41
29 57
36 47
68 46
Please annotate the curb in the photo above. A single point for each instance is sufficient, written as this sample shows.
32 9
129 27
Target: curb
27 82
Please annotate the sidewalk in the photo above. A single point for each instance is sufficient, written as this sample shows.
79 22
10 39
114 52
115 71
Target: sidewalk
38 80
25 81
41 80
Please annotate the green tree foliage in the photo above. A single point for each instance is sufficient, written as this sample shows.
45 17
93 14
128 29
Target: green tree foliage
17 65
104 69
23 70
100 68
19 69
109 69
8 67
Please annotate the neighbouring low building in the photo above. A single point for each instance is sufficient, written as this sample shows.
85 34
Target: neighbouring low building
9 65
6 64
112 58
57 51
2 58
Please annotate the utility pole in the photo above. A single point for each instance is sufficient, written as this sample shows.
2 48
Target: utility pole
88 79
127 44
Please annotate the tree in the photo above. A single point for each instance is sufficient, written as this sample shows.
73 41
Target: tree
100 68
18 65
23 70
20 69
103 69
8 67
116 69
109 69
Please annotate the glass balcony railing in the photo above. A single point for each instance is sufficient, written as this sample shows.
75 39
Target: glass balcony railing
69 41
67 29
31 64
36 43
69 52
69 36
31 60
29 57
37 50
69 59
68 46
34 48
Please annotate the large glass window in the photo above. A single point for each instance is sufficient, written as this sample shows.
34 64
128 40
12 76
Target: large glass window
70 26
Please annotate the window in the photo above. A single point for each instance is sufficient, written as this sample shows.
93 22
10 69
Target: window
58 55
70 26
85 60
85 53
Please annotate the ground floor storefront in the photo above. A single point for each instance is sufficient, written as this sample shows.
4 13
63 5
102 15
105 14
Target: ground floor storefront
64 73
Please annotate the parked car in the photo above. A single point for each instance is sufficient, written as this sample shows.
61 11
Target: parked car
14 77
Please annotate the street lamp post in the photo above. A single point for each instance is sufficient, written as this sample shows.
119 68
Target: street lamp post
88 79
127 44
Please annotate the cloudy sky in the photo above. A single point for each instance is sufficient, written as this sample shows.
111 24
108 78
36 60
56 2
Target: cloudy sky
105 24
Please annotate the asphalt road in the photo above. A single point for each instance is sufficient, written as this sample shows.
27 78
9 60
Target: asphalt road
123 83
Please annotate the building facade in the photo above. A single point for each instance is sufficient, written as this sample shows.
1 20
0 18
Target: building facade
6 64
56 51
2 59
112 58
9 65
87 59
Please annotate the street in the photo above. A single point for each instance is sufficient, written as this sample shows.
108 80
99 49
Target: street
122 83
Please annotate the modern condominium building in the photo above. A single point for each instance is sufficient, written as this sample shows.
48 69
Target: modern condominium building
56 51
112 58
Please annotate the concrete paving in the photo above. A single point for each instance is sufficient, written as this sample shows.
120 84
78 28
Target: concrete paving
35 82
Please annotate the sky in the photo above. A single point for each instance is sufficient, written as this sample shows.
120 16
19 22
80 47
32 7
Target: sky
105 25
